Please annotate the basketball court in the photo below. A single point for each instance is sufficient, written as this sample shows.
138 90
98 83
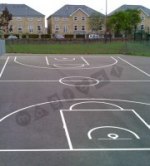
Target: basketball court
74 110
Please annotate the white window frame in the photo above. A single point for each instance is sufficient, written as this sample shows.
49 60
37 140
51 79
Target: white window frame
57 28
83 28
31 28
65 19
75 27
75 18
39 19
56 18
19 18
20 28
30 19
65 28
83 18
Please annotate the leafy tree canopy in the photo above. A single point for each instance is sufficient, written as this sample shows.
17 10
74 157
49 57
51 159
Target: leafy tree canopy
124 21
95 22
5 17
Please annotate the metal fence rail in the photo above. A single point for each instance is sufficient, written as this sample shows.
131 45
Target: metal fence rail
2 47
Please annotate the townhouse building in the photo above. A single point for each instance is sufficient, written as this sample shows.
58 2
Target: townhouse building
144 14
25 20
72 21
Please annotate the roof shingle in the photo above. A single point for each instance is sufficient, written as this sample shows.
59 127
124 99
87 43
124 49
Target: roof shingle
132 7
67 10
21 10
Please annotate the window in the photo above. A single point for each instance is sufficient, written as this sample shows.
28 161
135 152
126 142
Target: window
100 28
142 17
83 28
19 18
75 28
11 28
57 28
65 19
20 29
75 18
30 28
65 28
30 19
83 18
39 28
39 19
142 27
56 18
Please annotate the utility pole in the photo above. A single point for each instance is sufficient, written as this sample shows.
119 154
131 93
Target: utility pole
106 5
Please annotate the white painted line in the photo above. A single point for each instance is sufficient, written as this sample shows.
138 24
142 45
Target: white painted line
65 59
118 139
86 62
51 81
29 81
47 61
142 120
73 80
74 150
66 68
96 110
115 127
68 100
66 130
134 67
96 102
2 71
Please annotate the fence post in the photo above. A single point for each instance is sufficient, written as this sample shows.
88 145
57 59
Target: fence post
2 47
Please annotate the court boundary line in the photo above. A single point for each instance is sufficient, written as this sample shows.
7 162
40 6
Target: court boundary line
5 64
74 150
142 71
100 81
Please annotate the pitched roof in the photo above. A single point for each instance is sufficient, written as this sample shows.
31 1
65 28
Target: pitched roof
21 10
132 7
68 10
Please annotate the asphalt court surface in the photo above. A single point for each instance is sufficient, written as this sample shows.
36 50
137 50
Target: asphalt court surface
78 110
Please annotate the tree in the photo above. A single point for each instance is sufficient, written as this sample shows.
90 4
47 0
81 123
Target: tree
124 21
5 18
95 22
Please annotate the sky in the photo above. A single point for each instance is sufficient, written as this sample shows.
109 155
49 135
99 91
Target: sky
48 7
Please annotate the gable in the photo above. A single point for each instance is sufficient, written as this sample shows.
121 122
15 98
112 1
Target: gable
79 10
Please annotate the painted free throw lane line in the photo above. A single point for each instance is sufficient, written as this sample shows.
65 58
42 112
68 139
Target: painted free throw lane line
86 62
2 71
87 68
47 62
134 66
66 130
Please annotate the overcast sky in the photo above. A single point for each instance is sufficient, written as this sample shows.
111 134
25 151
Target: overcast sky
48 7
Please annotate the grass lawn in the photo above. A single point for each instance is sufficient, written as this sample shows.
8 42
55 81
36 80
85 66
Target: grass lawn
131 48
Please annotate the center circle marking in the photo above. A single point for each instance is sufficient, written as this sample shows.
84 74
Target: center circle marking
79 81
